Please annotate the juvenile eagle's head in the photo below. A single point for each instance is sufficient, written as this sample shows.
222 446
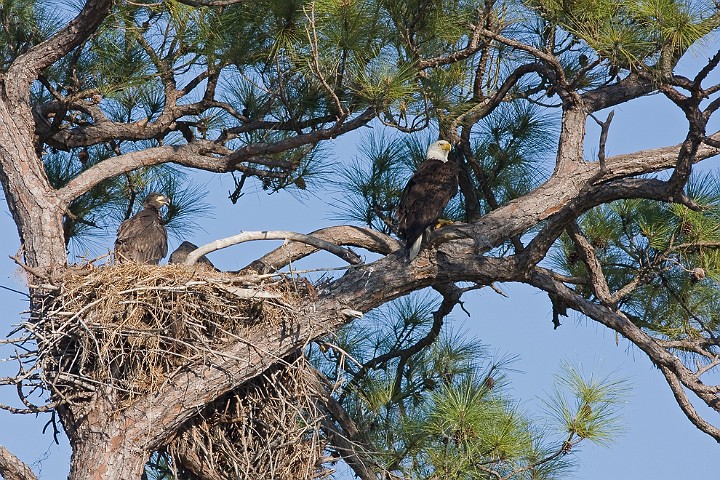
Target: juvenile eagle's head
439 150
155 200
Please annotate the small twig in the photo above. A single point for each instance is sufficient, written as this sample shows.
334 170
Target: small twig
25 294
35 272
498 290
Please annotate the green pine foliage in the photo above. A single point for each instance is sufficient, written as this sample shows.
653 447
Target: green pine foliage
632 34
445 411
23 24
668 253
371 185
511 149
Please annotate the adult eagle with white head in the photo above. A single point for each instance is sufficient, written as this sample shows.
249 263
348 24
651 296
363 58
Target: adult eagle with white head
425 196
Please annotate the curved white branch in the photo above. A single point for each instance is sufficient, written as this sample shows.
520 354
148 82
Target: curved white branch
344 253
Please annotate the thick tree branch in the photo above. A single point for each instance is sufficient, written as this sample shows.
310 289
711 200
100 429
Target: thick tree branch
685 405
27 67
563 191
613 94
198 155
366 238
12 468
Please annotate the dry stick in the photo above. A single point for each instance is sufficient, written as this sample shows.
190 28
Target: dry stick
604 128
344 253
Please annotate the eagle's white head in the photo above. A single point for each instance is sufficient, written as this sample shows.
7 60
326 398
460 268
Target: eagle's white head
439 150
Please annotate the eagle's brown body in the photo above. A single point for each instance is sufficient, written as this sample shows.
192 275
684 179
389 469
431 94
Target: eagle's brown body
180 254
143 238
425 196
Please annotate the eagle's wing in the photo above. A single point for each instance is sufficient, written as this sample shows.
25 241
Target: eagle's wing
141 238
424 198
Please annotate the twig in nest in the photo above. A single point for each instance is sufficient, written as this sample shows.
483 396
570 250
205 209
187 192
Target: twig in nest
35 272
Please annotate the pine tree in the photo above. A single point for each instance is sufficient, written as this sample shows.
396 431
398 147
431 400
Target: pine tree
147 367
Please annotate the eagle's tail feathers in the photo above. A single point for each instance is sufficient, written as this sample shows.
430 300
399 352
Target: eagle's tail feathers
414 249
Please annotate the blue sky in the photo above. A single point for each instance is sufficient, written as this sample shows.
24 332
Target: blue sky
658 443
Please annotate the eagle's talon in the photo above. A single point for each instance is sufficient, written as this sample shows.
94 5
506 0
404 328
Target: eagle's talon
442 222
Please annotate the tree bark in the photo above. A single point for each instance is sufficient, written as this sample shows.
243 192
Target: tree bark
12 468
101 447
33 205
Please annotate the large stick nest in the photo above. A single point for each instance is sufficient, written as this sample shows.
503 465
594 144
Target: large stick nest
130 327
267 428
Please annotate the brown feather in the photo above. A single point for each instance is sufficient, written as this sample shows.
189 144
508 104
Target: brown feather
180 254
425 196
142 238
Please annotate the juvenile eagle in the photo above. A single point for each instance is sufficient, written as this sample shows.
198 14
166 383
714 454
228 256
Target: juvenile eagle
425 196
143 238
183 250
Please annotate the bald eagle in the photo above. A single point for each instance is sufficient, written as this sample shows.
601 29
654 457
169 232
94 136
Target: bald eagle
143 238
425 196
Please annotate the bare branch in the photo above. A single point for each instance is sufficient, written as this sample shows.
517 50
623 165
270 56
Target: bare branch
678 374
604 128
451 296
366 238
686 406
587 253
343 253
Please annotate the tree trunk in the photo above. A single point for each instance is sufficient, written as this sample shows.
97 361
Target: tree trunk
35 207
101 448
105 456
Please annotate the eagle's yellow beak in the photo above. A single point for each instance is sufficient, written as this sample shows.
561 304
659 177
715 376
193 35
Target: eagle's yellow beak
446 146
